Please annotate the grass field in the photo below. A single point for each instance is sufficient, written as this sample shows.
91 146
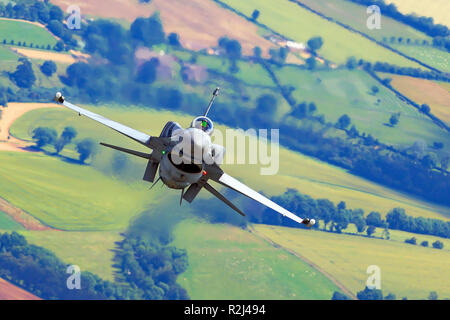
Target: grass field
356 16
309 176
91 251
437 9
226 262
435 94
7 223
406 270
69 196
25 31
339 92
339 43
436 58
7 55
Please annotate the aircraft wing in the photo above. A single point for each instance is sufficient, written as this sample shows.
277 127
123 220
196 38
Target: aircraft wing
127 131
238 186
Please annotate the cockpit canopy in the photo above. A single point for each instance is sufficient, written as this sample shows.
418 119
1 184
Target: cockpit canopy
203 123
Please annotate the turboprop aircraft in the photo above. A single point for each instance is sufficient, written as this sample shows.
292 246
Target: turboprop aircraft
186 158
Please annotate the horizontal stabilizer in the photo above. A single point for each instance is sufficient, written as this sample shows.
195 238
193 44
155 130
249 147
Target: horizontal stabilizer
133 152
221 197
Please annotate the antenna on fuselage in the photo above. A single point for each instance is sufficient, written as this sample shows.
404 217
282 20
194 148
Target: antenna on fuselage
215 94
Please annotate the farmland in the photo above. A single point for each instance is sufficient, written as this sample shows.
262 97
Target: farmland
339 43
211 23
24 31
425 91
406 270
356 16
339 92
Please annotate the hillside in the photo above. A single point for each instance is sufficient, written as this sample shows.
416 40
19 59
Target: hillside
347 258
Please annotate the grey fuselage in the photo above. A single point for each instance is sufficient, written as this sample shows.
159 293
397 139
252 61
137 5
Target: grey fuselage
184 164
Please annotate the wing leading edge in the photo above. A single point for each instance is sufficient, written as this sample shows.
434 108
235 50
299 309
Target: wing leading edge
123 129
238 186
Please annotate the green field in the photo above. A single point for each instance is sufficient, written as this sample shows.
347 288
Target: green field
226 262
355 16
7 55
339 43
69 196
406 270
25 31
309 176
339 92
91 251
7 223
436 58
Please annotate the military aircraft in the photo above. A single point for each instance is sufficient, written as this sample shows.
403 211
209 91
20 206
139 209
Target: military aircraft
176 152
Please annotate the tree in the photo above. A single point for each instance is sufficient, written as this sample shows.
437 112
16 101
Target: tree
360 223
424 243
255 14
148 30
24 76
86 148
390 296
44 136
339 296
438 244
374 90
343 122
66 137
425 108
370 230
266 104
315 43
374 219
257 52
433 295
311 63
148 71
48 68
370 294
394 119
174 39
351 63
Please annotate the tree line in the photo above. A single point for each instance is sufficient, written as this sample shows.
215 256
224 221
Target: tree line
329 216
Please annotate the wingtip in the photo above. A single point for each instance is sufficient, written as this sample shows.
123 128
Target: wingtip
59 97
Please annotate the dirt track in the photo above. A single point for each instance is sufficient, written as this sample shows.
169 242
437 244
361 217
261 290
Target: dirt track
9 291
8 116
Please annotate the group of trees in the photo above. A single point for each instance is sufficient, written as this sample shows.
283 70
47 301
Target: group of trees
48 136
44 12
24 76
232 50
146 259
398 219
375 294
40 272
334 218
436 244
